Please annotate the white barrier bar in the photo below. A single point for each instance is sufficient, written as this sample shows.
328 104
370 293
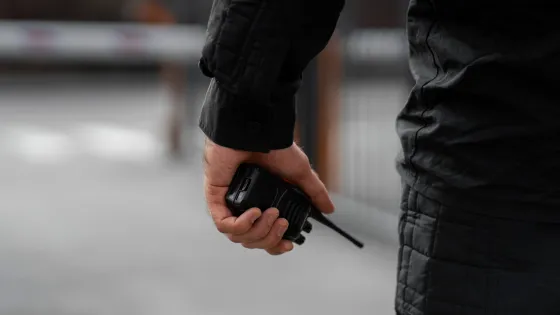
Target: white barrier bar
122 42
377 45
99 41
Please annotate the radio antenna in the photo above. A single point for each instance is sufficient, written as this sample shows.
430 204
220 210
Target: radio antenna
319 217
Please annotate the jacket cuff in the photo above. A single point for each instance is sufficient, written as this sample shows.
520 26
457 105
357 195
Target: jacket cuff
231 121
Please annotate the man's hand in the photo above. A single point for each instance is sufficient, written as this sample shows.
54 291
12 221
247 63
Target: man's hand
255 228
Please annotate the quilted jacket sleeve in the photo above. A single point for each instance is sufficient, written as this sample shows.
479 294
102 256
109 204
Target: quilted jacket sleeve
255 53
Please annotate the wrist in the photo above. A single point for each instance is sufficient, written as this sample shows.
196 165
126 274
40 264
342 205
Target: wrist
229 121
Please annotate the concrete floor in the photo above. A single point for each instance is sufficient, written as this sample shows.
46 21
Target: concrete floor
94 220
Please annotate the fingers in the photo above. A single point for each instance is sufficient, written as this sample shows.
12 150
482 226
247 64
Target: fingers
223 218
272 239
283 247
234 225
266 233
259 230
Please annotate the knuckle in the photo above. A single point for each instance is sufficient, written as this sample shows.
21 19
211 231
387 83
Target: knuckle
261 233
234 239
222 228
252 239
253 245
304 160
261 244
273 252
236 230
241 228
271 241
211 192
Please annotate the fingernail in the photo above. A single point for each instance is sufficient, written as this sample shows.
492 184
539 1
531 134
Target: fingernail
255 217
282 229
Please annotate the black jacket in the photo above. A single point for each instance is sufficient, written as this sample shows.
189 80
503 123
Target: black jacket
481 127
255 52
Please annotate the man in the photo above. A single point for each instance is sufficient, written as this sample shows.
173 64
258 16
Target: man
480 216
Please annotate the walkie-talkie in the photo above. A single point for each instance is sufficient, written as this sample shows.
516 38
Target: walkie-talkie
255 187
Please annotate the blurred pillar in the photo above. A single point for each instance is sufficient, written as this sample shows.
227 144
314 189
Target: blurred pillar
329 81
319 111
379 13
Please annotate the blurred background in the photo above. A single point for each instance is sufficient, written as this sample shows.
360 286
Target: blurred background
101 203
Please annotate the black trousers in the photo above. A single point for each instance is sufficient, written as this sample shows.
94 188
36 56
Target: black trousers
454 262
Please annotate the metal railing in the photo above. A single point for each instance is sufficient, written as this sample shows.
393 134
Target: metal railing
372 88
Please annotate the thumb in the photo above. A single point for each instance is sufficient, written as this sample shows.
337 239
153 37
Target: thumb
312 185
293 165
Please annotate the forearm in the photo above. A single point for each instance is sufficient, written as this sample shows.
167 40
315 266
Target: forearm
255 52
